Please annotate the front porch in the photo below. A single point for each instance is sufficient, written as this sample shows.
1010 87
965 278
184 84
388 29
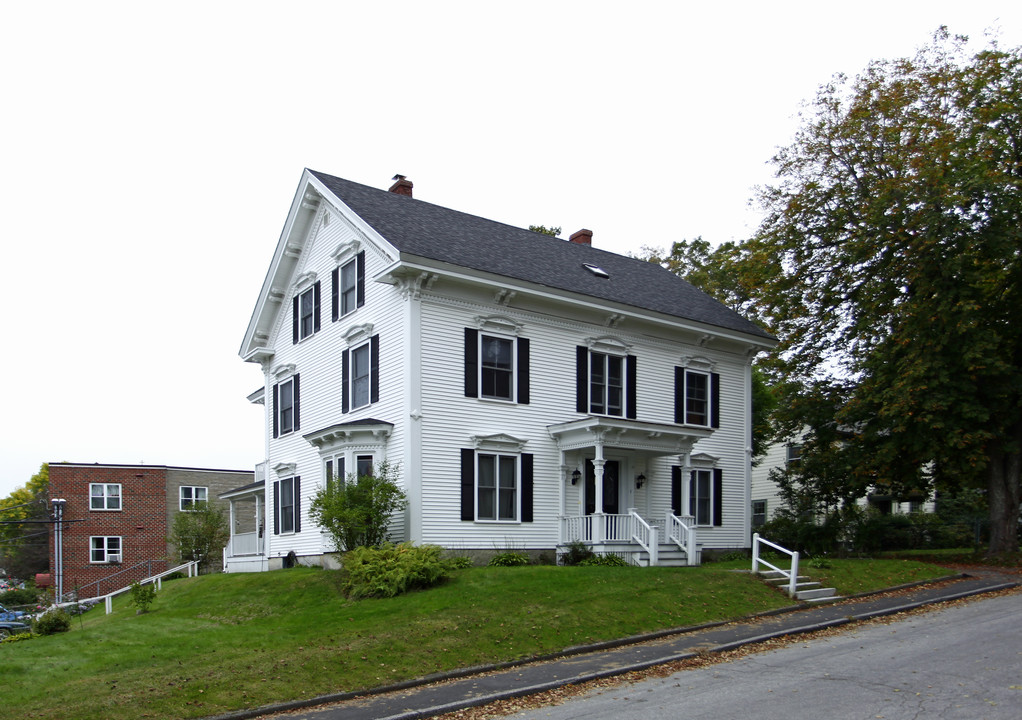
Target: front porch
246 548
671 541
609 464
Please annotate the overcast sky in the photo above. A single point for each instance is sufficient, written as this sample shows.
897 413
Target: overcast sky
150 153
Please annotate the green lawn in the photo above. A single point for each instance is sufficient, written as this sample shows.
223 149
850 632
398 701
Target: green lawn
224 642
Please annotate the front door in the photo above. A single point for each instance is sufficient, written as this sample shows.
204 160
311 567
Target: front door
611 473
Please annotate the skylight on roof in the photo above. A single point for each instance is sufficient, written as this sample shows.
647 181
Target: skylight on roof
596 270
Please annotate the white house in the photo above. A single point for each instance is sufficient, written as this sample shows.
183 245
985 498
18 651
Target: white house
532 390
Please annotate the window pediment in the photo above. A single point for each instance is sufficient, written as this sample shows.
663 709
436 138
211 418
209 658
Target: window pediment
305 281
703 460
346 251
285 469
358 333
283 372
608 344
697 362
498 324
498 442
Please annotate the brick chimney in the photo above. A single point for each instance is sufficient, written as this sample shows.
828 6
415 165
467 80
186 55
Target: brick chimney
582 237
401 186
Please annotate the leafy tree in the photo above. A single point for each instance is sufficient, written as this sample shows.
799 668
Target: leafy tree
24 547
357 513
544 230
889 263
200 534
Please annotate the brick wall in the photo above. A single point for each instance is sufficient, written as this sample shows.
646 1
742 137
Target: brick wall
149 499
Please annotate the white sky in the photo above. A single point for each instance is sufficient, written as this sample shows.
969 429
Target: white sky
149 153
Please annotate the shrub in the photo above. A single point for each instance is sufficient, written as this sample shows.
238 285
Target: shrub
19 596
200 534
608 560
459 563
142 596
509 558
357 513
52 622
577 552
20 637
390 570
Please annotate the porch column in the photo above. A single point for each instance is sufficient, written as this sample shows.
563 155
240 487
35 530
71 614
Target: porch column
234 527
260 539
598 519
686 476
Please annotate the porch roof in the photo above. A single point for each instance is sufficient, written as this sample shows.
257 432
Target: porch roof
651 438
256 488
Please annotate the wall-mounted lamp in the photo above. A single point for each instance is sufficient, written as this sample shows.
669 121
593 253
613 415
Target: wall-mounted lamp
640 479
575 475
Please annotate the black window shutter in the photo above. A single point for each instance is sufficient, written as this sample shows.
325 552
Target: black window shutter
344 381
471 362
526 487
317 301
523 371
297 406
676 490
374 369
335 294
468 484
276 508
582 379
715 400
294 321
718 497
360 279
630 362
276 426
298 505
679 395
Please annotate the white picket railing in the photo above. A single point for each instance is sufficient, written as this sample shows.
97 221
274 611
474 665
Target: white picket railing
645 535
791 574
250 543
682 532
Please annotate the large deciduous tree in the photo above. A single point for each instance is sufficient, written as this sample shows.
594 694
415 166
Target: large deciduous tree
890 262
24 530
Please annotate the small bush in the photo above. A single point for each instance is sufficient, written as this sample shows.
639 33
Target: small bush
142 596
20 637
390 570
459 563
608 560
19 596
52 622
509 558
576 553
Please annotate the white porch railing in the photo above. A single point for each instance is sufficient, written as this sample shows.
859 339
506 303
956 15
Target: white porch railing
682 532
249 543
645 535
791 574
612 528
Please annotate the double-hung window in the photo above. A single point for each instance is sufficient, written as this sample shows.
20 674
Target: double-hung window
496 366
496 486
104 549
305 313
348 292
696 397
287 506
701 495
606 383
190 496
360 375
104 496
286 406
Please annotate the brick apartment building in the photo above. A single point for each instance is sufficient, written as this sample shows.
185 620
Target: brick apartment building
118 518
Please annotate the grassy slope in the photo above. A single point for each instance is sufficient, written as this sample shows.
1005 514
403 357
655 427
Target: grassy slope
225 642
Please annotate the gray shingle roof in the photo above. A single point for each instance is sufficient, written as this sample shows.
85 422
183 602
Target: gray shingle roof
418 228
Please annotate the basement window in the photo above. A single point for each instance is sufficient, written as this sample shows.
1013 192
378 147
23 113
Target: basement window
596 270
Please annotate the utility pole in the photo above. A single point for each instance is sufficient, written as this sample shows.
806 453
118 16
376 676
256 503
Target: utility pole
58 547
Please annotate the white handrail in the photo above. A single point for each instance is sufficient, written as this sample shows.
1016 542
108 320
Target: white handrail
646 536
791 574
683 534
192 567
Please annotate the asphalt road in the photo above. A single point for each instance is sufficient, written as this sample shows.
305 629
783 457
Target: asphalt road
963 661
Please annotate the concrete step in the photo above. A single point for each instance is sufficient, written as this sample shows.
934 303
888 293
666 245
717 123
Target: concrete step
817 593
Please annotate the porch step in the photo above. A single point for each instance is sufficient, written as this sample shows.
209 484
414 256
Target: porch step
805 588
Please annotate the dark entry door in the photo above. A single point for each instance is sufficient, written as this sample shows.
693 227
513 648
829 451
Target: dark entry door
611 503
